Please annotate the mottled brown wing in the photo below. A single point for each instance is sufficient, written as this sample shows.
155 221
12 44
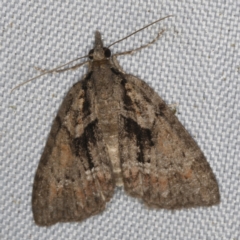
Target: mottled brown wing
161 162
74 177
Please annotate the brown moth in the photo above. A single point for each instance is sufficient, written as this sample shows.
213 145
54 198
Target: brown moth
112 130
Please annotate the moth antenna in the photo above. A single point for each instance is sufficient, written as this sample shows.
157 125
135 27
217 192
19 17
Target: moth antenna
49 71
57 68
140 30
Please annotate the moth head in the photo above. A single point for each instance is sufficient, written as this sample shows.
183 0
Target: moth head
99 52
93 54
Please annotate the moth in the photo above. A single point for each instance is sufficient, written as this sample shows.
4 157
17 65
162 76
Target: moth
112 129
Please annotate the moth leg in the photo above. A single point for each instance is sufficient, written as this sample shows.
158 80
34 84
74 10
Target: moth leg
143 46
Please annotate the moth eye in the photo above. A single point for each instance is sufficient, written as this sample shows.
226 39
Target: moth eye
107 52
90 54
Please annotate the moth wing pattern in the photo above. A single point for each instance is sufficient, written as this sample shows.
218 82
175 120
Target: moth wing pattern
111 130
74 177
161 163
